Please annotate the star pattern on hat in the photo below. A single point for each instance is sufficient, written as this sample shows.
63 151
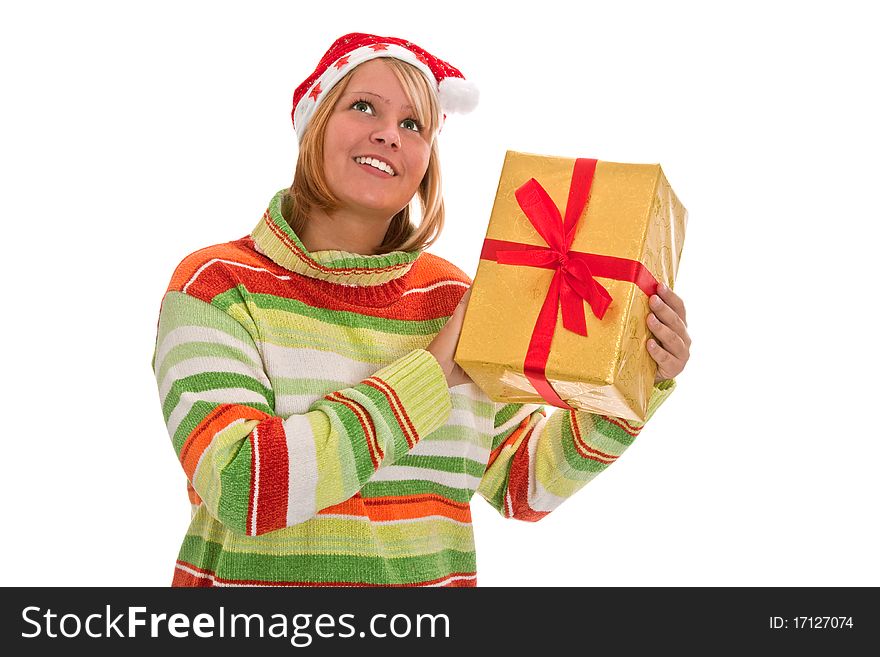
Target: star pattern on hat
379 46
315 92
342 61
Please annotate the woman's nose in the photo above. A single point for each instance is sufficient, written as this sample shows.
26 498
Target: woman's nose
387 134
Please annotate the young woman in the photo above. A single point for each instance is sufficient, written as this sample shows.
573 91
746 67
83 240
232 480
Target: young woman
306 371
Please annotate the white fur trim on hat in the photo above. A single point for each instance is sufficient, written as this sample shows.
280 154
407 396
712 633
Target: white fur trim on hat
458 96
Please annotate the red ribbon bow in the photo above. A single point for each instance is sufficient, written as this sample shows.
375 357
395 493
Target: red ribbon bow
574 278
573 282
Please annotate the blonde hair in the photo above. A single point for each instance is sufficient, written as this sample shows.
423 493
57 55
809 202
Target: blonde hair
310 190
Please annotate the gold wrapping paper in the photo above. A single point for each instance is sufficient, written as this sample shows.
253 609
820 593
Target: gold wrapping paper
632 213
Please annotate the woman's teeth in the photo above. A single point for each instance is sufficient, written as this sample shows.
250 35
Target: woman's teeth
377 164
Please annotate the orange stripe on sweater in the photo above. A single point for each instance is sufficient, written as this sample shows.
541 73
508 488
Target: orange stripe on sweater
394 508
193 495
415 510
512 438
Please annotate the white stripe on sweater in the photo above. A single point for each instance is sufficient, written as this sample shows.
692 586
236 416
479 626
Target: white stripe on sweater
296 363
518 417
286 405
302 469
410 473
201 365
455 448
435 286
452 578
544 500
468 419
252 521
186 334
540 499
233 263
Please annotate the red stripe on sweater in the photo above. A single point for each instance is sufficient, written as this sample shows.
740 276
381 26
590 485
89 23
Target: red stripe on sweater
411 499
366 422
228 251
220 277
200 578
623 424
518 486
400 414
269 477
583 448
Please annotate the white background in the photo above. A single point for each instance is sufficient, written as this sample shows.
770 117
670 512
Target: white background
133 134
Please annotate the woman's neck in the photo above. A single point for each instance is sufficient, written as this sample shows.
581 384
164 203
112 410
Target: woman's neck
343 231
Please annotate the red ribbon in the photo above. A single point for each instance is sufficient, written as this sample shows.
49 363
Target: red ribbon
574 276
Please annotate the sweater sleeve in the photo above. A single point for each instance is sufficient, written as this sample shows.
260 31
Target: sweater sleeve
537 462
255 471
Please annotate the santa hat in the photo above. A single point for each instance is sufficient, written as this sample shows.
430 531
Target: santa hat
455 94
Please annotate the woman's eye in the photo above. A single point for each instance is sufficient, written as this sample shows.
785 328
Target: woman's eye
362 106
410 124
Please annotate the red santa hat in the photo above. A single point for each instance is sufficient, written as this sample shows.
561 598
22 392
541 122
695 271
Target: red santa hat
455 94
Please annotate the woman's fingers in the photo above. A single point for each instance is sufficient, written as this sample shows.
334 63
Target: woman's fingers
671 348
668 366
670 340
673 301
671 315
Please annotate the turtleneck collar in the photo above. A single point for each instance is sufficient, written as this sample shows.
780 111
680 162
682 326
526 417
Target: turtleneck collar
275 239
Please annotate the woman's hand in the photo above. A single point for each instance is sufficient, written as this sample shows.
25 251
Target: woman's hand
443 345
668 323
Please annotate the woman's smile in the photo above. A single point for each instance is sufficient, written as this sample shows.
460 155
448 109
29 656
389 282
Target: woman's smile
375 165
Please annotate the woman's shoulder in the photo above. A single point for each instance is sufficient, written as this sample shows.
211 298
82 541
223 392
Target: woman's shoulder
430 266
216 261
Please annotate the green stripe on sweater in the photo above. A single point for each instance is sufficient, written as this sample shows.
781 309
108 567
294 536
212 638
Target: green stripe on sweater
213 381
340 318
331 568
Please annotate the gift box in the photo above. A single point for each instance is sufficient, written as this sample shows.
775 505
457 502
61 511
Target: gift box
573 251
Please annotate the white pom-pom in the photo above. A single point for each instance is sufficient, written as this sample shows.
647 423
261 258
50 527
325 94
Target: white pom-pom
458 95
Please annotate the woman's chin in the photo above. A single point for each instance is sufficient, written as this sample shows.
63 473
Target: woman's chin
373 207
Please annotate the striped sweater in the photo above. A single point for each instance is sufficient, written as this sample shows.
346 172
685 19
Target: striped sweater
320 441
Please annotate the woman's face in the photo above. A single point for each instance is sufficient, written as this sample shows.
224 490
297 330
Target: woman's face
375 151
